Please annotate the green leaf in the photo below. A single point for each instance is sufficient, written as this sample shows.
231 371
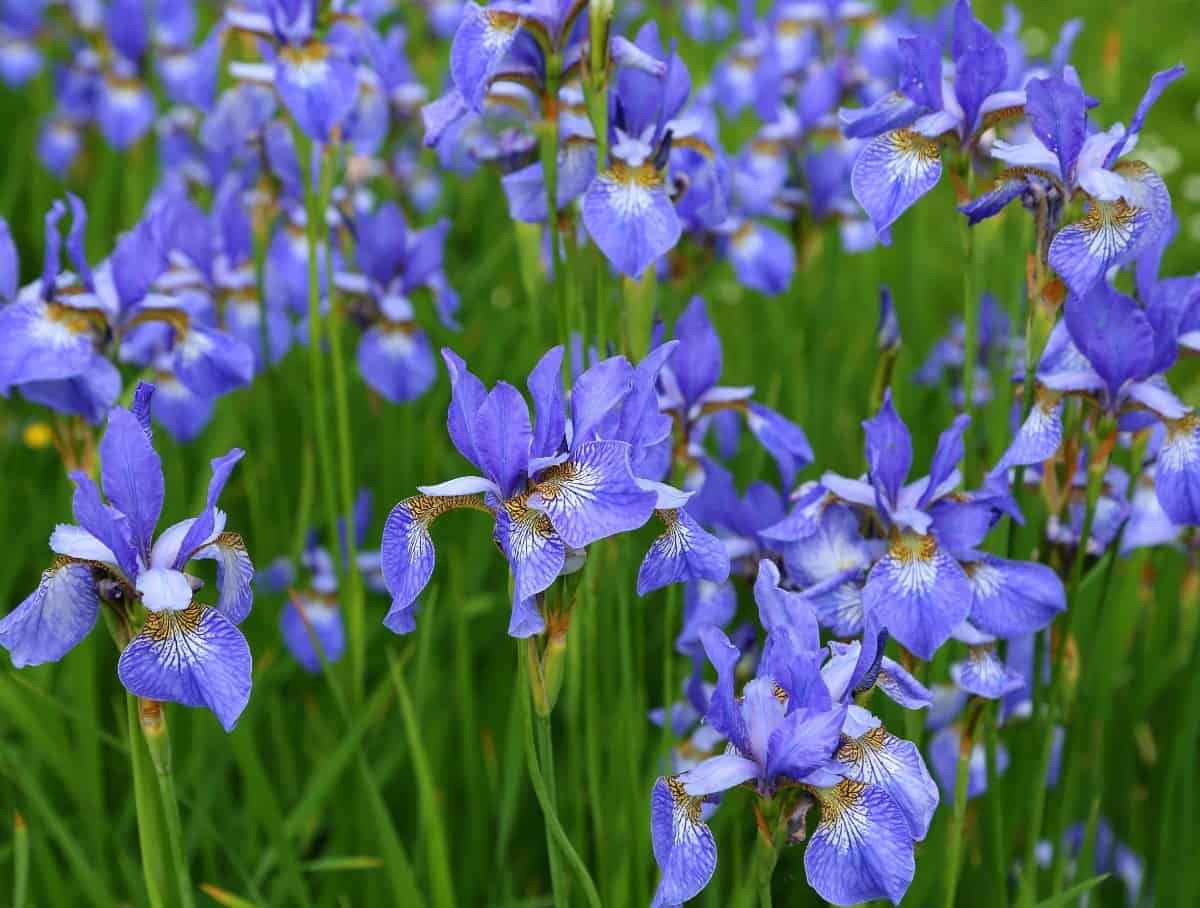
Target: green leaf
431 811
1069 896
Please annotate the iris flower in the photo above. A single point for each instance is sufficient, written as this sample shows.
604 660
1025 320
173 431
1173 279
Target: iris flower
903 160
553 486
794 728
185 651
932 576
1128 206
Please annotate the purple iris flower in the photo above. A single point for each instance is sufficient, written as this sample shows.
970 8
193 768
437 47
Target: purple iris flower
20 57
932 576
903 160
1114 350
705 21
794 725
552 485
313 611
317 81
394 354
689 393
628 208
996 347
1129 207
186 652
53 331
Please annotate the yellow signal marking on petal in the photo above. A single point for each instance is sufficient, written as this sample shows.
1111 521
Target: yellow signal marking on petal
164 625
425 509
644 175
77 321
520 512
839 799
313 52
683 800
991 118
909 547
1110 225
911 144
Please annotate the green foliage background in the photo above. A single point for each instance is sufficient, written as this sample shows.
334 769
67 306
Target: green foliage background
418 793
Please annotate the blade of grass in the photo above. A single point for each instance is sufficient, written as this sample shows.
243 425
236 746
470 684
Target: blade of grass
431 812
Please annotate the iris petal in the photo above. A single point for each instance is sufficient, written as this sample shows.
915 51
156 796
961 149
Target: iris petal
683 845
862 848
880 758
593 495
629 215
892 172
684 551
407 555
53 618
195 657
918 592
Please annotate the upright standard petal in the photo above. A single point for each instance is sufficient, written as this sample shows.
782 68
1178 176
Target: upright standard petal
630 216
593 495
683 845
696 362
784 440
889 450
549 409
195 657
862 848
467 394
918 592
53 618
892 172
503 436
131 473
1057 112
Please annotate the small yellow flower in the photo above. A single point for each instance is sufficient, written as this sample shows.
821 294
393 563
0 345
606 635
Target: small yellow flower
37 435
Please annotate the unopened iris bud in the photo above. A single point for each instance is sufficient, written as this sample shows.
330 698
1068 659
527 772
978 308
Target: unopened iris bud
600 14
154 730
554 668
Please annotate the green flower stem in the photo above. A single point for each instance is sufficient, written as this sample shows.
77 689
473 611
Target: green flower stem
149 814
20 861
158 743
995 809
669 619
316 364
970 325
539 758
353 602
959 813
548 149
766 855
